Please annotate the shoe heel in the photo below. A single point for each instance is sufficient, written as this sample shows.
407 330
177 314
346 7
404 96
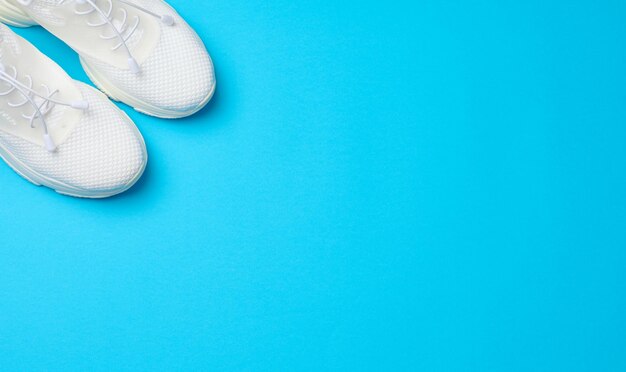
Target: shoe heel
12 15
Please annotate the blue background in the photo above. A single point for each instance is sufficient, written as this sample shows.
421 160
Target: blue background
430 185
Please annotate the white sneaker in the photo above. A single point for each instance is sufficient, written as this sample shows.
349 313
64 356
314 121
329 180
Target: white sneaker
60 133
140 52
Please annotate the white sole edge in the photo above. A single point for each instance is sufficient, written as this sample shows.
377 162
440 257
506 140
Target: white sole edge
11 15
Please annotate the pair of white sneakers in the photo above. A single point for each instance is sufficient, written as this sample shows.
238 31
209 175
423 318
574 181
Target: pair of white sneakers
63 134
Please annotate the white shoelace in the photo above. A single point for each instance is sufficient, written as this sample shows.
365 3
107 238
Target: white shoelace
31 96
122 32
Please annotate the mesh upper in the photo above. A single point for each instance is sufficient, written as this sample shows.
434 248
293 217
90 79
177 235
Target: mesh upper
177 76
104 152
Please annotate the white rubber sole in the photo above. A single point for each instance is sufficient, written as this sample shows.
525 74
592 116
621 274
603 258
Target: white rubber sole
11 15
40 180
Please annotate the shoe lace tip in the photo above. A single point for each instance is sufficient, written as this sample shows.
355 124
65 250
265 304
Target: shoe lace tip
80 105
133 65
167 20
49 143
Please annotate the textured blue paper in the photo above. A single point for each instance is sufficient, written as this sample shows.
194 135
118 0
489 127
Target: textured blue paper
424 186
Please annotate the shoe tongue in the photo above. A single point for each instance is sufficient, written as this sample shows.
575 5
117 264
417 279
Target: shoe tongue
24 63
8 41
86 31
